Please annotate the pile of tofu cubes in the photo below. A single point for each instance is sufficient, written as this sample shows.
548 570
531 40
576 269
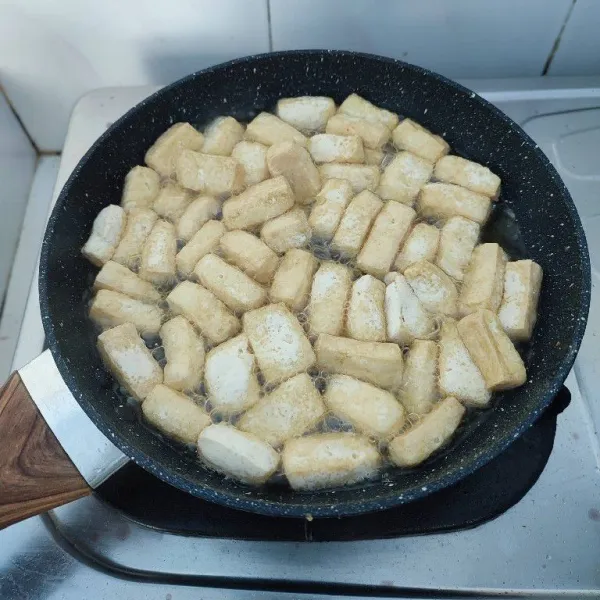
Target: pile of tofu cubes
398 322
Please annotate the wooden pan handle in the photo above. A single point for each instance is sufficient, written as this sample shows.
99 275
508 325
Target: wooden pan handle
36 474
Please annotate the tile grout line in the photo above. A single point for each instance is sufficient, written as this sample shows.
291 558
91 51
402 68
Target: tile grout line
20 121
558 39
269 24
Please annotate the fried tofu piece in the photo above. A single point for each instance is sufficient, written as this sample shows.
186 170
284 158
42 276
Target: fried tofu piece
209 174
518 311
411 136
308 114
237 454
221 136
434 289
492 351
278 341
249 254
230 377
432 432
365 319
402 179
420 384
171 202
289 230
329 460
484 280
140 222
330 148
268 129
458 374
253 158
200 210
443 200
110 309
468 174
329 206
229 284
368 409
163 154
406 318
257 204
458 239
157 264
374 135
117 278
293 279
373 157
328 296
204 310
361 177
356 223
140 189
125 355
293 162
357 106
175 414
289 411
184 351
202 243
374 362
420 244
385 238
107 229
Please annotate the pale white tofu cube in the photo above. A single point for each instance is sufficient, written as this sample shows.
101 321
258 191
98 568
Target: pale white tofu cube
421 244
175 414
221 136
279 343
289 411
308 114
230 377
411 136
140 189
458 239
402 179
107 229
328 148
361 177
198 212
329 206
171 202
268 129
203 242
239 455
368 409
257 204
432 432
249 254
356 223
329 460
204 310
157 264
293 279
209 174
117 278
127 358
434 289
375 362
234 288
110 309
443 200
468 174
184 351
140 222
328 296
163 154
357 106
518 311
385 238
290 230
365 319
374 135
420 385
253 158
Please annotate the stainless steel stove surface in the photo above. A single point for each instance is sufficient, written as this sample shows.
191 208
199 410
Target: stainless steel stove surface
547 545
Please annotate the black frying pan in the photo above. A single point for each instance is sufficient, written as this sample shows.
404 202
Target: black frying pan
545 227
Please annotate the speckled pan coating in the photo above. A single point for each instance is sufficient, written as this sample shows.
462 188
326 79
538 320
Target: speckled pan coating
545 214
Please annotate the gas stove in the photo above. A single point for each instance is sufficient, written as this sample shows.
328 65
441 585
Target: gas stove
536 533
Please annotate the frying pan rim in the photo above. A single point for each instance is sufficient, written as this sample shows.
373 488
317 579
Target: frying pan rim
344 508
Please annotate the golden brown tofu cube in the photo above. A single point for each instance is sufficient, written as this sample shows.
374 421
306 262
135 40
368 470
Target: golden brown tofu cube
290 230
202 243
107 230
253 158
140 222
171 202
209 174
419 387
356 106
293 279
163 154
365 319
434 289
198 212
329 206
413 137
374 135
221 136
117 278
331 148
443 200
402 179
421 244
458 239
268 129
249 254
468 174
140 189
157 264
361 177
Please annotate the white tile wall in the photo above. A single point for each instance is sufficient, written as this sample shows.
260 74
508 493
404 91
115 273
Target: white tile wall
53 51
579 49
459 38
